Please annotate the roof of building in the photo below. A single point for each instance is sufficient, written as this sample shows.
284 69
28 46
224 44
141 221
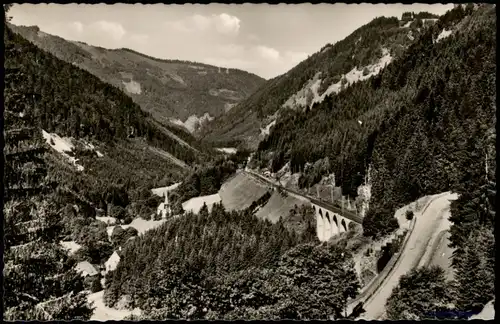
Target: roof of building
86 269
112 262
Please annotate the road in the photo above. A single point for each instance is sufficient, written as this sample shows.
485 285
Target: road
324 204
427 229
442 255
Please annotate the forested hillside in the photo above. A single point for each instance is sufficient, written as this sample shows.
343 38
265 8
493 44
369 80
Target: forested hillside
69 101
421 117
365 49
95 109
406 122
52 195
425 124
165 88
231 265
39 279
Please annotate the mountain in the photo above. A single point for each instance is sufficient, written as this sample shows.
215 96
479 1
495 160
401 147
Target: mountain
405 124
359 56
103 149
182 92
425 124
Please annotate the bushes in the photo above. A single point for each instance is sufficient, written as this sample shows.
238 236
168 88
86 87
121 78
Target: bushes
84 234
96 285
421 294
260 202
95 252
298 287
127 220
378 224
409 214
120 236
117 212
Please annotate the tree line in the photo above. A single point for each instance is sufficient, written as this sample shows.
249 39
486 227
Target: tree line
39 279
232 265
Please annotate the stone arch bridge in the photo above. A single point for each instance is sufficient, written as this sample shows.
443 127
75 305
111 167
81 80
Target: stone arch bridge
331 220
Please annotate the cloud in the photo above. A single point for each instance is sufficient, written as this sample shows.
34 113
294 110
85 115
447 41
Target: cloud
78 26
223 24
113 29
178 25
101 33
253 38
267 53
227 24
201 22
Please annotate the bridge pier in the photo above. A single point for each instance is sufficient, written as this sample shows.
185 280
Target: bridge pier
335 225
320 225
329 223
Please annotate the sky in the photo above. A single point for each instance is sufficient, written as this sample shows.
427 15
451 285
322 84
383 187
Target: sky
267 40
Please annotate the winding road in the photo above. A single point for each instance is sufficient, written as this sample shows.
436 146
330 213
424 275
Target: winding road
430 222
424 243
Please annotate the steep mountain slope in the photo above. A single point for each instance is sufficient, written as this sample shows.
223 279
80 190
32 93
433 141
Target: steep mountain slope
185 91
360 55
407 122
105 152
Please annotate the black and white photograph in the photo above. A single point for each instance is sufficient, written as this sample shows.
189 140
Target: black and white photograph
331 161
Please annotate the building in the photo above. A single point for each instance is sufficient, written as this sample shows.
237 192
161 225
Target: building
86 269
112 262
164 207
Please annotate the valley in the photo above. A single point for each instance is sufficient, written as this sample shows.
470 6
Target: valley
359 184
168 89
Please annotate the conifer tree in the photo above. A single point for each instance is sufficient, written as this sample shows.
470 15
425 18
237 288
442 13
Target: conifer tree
39 282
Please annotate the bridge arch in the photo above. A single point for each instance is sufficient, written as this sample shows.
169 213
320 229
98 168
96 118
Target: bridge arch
344 225
335 225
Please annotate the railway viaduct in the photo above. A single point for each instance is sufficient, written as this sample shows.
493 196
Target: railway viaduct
330 219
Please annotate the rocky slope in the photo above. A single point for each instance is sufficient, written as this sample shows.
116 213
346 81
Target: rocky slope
359 56
405 122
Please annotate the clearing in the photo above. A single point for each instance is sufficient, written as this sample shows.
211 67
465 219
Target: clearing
240 191
104 313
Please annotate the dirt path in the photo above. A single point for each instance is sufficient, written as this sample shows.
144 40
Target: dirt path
426 230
